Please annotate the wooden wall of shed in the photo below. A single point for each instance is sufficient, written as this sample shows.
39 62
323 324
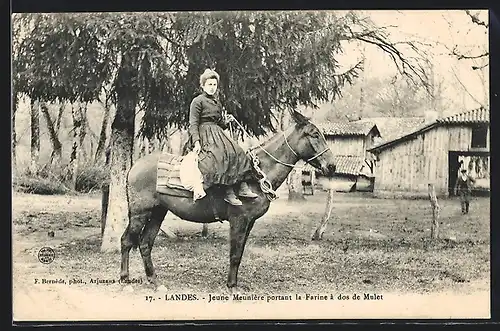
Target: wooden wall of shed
368 141
410 165
350 145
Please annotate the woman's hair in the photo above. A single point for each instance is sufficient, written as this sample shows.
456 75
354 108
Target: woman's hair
208 74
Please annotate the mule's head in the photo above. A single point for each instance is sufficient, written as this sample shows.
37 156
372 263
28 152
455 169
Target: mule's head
311 145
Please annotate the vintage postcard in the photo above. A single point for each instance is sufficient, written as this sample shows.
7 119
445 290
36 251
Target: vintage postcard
248 165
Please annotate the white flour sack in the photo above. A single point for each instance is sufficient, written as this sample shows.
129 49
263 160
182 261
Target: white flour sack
190 175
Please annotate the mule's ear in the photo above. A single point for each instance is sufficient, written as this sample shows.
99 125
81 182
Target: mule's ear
299 118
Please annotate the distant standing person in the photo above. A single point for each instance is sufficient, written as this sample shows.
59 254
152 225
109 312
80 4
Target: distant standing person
463 188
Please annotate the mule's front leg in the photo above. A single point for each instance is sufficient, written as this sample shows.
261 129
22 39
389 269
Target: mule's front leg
239 230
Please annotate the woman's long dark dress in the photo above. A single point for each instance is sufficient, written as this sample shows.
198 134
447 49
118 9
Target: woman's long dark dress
221 160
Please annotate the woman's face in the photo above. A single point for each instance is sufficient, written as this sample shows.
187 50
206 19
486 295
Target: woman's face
210 86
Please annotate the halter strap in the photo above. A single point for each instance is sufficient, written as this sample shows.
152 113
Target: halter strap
286 142
310 159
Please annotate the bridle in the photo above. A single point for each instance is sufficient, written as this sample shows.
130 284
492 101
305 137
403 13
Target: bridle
265 185
290 147
295 153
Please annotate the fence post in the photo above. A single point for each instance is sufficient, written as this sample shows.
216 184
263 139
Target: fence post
321 228
204 230
435 212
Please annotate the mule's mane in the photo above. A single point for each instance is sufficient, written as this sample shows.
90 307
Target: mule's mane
262 144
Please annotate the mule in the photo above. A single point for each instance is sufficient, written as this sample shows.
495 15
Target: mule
147 207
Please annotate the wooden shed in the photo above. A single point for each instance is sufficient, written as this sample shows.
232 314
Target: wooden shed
350 138
348 141
432 154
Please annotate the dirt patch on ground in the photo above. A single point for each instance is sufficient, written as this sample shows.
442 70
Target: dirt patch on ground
372 246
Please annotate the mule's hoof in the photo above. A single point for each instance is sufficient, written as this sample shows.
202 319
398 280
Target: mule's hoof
161 289
128 289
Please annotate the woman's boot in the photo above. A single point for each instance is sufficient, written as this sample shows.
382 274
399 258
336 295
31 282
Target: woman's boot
231 198
245 191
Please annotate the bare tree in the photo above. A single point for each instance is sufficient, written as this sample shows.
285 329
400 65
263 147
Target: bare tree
35 136
15 101
77 116
482 55
56 154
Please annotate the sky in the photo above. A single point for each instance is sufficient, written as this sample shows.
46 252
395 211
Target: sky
444 29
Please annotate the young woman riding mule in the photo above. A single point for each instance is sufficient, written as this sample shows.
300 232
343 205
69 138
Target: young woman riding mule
277 157
221 160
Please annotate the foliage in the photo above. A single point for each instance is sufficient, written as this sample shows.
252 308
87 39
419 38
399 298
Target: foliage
38 185
58 59
56 179
397 98
90 178
267 60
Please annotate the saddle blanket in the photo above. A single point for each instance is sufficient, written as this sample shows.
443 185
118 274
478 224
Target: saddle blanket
170 172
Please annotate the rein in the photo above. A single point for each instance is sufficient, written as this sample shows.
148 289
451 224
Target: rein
265 184
286 141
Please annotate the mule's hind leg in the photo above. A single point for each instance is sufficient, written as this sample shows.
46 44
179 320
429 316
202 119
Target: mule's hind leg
130 238
148 237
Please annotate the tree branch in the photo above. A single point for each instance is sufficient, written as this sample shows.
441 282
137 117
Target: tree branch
403 65
468 57
475 19
480 67
464 87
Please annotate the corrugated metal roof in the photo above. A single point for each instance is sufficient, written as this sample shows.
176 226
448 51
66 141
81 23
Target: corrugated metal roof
346 128
479 115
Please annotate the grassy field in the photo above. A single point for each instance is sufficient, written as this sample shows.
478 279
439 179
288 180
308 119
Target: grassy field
371 246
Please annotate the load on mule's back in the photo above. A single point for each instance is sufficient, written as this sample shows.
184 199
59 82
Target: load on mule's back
222 164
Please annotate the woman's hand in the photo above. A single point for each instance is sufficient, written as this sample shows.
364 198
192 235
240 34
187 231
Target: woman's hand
230 118
197 147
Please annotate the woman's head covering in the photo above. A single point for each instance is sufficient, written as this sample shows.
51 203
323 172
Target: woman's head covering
208 74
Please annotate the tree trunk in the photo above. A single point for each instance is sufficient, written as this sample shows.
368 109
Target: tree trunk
104 206
83 130
15 101
321 228
54 139
295 189
182 141
143 147
121 162
62 106
165 145
74 160
105 192
35 137
435 212
102 136
122 145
